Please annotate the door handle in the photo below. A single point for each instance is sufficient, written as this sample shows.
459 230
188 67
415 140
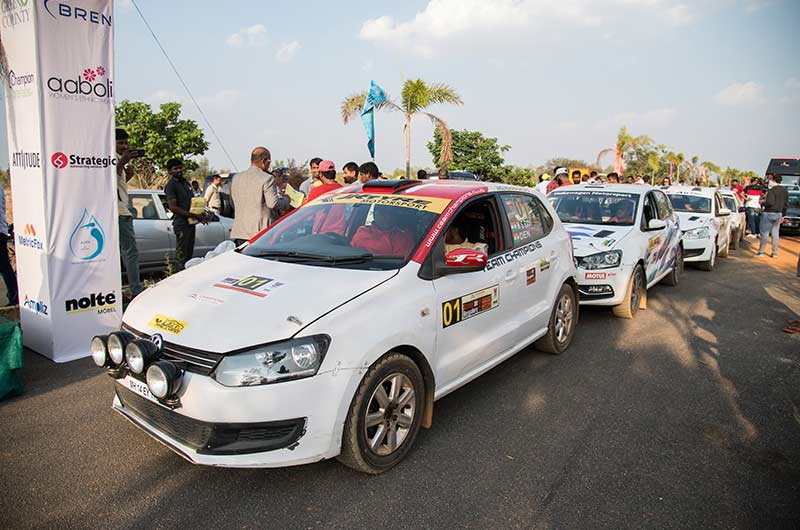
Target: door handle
510 275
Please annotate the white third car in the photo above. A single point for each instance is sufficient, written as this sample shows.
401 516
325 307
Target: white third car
738 218
332 332
705 223
626 239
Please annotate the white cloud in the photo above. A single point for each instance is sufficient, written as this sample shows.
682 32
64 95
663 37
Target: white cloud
161 96
253 36
287 51
741 94
445 20
222 100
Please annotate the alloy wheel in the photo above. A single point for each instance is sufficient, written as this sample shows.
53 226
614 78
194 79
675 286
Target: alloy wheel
390 414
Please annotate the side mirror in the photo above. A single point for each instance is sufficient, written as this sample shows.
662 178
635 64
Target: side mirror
462 260
724 212
656 224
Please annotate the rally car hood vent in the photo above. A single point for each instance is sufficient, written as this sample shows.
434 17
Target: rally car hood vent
689 221
235 301
591 239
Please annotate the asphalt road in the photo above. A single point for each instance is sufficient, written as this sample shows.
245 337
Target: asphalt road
686 417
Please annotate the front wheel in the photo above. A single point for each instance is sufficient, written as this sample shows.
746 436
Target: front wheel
724 252
561 326
635 296
708 266
385 416
735 238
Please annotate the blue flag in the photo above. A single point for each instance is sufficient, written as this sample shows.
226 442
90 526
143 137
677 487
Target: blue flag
375 97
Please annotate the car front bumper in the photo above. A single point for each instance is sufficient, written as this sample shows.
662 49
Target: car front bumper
604 287
697 249
281 424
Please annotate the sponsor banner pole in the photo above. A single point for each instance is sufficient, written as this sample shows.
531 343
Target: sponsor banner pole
76 196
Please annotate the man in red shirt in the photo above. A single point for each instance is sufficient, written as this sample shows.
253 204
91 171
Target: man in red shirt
387 235
327 175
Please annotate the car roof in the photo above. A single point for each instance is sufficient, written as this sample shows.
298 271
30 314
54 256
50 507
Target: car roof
635 189
703 191
444 189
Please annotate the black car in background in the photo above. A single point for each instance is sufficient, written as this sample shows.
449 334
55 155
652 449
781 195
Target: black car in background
456 175
787 168
791 221
225 192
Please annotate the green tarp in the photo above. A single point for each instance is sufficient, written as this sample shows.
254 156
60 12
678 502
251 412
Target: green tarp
10 358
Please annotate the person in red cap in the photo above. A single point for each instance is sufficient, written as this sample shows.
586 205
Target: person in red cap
327 175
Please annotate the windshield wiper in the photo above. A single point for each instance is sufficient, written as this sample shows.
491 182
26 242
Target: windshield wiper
304 256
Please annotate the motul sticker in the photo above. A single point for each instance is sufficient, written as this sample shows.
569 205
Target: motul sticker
595 276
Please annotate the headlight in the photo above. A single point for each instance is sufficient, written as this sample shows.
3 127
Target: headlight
293 359
603 260
697 233
139 354
99 348
117 342
164 379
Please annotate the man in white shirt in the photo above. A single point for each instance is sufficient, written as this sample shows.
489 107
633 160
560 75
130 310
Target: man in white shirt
9 276
544 180
213 199
307 184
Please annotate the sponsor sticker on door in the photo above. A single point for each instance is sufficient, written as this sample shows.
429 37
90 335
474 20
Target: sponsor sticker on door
470 305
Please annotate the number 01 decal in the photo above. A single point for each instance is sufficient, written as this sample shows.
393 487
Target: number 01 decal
470 305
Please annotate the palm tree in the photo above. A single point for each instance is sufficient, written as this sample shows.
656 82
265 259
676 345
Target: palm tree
416 97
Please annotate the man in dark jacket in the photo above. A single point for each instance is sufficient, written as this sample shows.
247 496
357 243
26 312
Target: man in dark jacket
775 204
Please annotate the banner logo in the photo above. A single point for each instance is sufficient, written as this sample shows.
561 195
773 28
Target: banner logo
20 85
25 160
28 238
87 16
61 160
88 239
14 12
91 85
38 307
100 302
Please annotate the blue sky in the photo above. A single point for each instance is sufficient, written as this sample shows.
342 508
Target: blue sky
714 78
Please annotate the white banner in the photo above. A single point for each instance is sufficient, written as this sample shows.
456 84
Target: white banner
65 209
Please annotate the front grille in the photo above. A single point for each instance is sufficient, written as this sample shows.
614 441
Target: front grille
197 361
214 438
192 432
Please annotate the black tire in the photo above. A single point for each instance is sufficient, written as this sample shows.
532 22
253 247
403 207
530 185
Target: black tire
558 339
673 278
356 452
708 266
735 238
635 295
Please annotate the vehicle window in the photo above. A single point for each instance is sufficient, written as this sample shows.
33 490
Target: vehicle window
144 207
662 203
650 210
474 227
730 203
352 230
524 218
545 215
165 205
794 200
690 203
597 207
719 203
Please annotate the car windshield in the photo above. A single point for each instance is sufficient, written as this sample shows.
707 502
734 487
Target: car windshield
351 230
690 203
595 207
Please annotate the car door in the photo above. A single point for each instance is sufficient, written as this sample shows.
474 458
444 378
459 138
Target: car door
208 236
655 238
153 229
672 237
474 309
529 227
723 223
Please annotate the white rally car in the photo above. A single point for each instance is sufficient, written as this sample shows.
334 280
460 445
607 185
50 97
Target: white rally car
332 333
626 239
738 218
705 223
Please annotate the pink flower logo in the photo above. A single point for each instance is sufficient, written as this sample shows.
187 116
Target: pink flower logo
101 71
89 74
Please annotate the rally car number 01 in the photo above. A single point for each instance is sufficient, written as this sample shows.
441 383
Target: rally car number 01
470 305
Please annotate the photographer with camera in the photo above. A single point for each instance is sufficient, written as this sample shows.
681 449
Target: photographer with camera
127 238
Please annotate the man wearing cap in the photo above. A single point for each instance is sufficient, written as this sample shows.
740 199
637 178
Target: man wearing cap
128 250
562 174
255 197
327 175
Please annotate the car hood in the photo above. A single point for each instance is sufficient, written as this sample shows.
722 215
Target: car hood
208 306
591 239
688 220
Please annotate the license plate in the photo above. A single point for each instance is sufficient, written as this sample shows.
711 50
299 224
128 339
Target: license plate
140 388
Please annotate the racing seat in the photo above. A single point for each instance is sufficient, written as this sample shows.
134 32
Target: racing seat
479 227
149 212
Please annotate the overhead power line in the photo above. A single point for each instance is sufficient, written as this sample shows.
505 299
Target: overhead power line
191 96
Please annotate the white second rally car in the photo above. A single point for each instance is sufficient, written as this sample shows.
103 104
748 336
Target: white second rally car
626 239
705 223
332 332
738 217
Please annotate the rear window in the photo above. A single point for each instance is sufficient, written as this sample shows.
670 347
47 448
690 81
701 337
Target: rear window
794 201
784 166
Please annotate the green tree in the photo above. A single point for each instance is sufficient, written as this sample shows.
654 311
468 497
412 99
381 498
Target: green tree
471 150
416 97
162 135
